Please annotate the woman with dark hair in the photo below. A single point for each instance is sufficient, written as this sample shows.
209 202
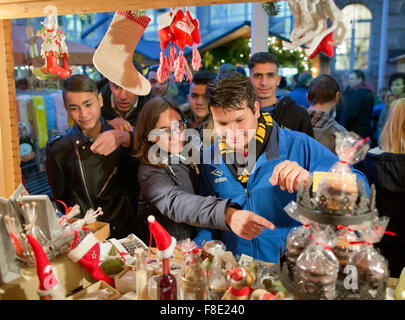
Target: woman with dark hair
396 85
169 176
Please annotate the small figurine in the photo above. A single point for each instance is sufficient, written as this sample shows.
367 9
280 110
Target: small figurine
241 281
49 285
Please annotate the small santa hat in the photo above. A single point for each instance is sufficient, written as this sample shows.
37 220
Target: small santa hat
165 243
113 57
237 274
47 280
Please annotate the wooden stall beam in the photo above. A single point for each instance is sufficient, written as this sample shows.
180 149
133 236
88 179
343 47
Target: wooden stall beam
35 8
10 172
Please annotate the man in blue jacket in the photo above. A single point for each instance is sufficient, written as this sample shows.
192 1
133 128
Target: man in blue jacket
256 164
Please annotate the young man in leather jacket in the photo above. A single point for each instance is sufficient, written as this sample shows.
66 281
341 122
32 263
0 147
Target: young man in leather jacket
89 164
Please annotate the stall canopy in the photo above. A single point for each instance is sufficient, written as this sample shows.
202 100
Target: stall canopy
79 54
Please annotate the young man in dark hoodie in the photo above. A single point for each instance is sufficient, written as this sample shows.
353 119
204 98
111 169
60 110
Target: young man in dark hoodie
264 77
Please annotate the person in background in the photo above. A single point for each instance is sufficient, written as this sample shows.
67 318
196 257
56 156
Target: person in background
157 89
299 94
170 181
263 67
199 116
396 84
384 167
225 68
241 70
282 88
89 164
323 95
121 107
358 102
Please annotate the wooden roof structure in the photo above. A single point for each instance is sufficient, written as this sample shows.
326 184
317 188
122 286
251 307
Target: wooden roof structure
10 172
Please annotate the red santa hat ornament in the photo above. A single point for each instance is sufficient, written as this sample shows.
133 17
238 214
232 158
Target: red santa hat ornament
165 243
49 285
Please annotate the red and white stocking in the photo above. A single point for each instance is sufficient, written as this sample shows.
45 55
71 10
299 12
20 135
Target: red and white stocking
87 254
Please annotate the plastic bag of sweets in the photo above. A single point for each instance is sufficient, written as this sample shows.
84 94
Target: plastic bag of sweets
344 245
371 266
338 190
317 268
297 240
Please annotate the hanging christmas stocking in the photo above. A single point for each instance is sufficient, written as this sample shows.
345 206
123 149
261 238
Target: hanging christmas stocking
180 28
113 57
195 34
165 37
87 254
324 46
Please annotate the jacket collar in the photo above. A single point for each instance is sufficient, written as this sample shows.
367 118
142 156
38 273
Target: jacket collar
271 150
78 138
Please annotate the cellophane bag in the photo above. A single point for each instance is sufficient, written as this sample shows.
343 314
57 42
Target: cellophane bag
345 245
371 266
317 268
297 240
338 190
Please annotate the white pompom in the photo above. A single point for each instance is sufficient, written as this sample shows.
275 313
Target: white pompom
151 219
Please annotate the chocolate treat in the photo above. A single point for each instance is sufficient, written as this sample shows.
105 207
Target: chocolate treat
339 191
316 272
297 240
343 250
371 268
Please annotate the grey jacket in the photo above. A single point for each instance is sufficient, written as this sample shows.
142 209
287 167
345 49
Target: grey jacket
171 194
326 135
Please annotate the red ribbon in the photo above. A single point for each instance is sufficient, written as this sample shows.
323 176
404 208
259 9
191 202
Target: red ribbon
340 227
246 291
122 254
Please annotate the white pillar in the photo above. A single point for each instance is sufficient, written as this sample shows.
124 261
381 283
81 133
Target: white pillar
383 46
259 29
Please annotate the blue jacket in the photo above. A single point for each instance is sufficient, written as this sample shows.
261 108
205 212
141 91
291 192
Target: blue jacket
261 196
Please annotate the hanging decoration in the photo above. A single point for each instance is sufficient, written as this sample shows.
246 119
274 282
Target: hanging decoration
180 29
311 26
271 8
54 48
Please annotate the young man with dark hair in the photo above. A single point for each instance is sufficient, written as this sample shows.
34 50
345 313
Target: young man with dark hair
278 161
158 89
199 115
121 107
89 164
264 77
323 96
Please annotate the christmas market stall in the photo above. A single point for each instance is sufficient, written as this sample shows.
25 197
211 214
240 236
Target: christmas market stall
52 256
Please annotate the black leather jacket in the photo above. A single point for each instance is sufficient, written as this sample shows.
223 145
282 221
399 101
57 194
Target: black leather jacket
78 176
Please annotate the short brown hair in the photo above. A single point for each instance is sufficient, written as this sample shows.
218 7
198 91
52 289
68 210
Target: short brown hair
79 83
230 91
146 122
322 89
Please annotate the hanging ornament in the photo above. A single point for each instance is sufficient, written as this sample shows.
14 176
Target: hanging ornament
271 8
311 25
324 47
54 47
180 29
